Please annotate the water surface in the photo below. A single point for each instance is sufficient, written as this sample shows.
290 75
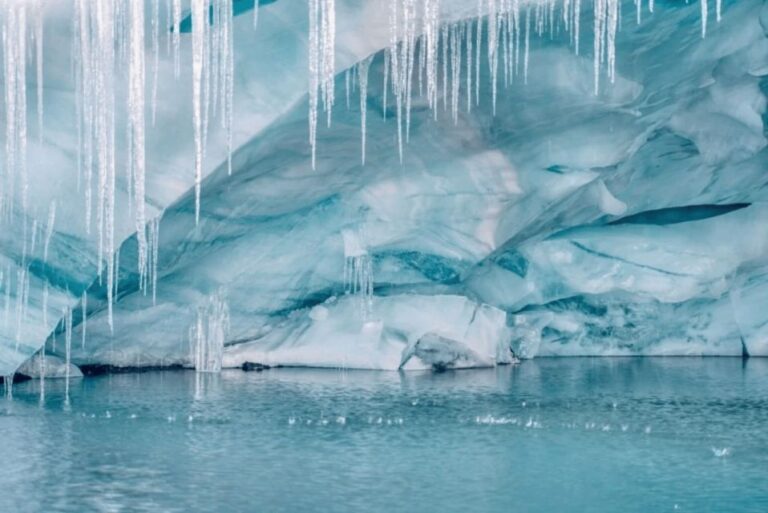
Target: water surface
550 435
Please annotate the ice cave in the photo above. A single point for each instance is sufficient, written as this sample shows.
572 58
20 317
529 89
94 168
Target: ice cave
465 195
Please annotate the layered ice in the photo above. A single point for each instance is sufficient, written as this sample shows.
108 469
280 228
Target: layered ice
631 221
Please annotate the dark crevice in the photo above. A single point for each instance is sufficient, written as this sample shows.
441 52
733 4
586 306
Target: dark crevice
744 350
17 378
624 260
675 215
98 369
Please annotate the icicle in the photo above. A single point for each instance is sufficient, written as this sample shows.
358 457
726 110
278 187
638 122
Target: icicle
136 124
228 76
14 53
7 301
21 277
394 71
704 14
577 23
85 84
155 225
386 84
314 73
431 30
606 26
322 67
718 10
444 38
598 40
526 54
67 350
104 53
408 59
117 271
358 269
650 5
455 43
45 305
8 380
21 99
176 37
49 230
613 18
25 307
40 20
328 49
199 24
362 72
517 30
33 245
169 32
208 334
469 64
478 46
507 31
255 14
85 315
348 85
42 369
155 55
493 46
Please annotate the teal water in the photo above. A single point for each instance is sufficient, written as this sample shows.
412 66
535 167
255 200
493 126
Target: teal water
549 435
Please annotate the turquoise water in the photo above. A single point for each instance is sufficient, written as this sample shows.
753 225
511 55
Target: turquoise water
550 435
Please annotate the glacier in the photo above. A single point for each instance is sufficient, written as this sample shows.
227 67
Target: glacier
549 218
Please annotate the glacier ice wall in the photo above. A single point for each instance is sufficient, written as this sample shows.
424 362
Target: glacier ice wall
632 221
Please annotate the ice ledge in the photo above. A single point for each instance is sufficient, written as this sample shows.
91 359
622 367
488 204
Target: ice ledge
405 331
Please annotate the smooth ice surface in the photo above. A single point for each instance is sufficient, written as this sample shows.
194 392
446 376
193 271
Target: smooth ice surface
580 434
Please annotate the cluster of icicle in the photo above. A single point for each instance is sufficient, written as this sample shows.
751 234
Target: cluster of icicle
36 241
66 325
110 39
212 78
358 281
208 334
358 269
444 57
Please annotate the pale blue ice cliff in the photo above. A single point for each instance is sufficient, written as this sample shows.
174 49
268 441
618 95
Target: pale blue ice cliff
629 222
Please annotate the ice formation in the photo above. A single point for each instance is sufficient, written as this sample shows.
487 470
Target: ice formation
208 334
571 166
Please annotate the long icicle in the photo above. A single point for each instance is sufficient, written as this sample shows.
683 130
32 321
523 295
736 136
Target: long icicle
199 26
314 73
362 72
39 26
136 124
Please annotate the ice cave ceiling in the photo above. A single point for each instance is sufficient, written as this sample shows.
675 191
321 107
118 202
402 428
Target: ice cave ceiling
583 205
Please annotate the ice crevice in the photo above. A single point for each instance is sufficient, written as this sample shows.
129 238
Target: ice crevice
499 157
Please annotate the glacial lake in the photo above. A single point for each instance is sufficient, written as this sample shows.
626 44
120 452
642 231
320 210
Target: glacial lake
548 435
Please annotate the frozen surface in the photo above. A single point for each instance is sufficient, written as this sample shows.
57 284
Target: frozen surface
51 367
633 221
